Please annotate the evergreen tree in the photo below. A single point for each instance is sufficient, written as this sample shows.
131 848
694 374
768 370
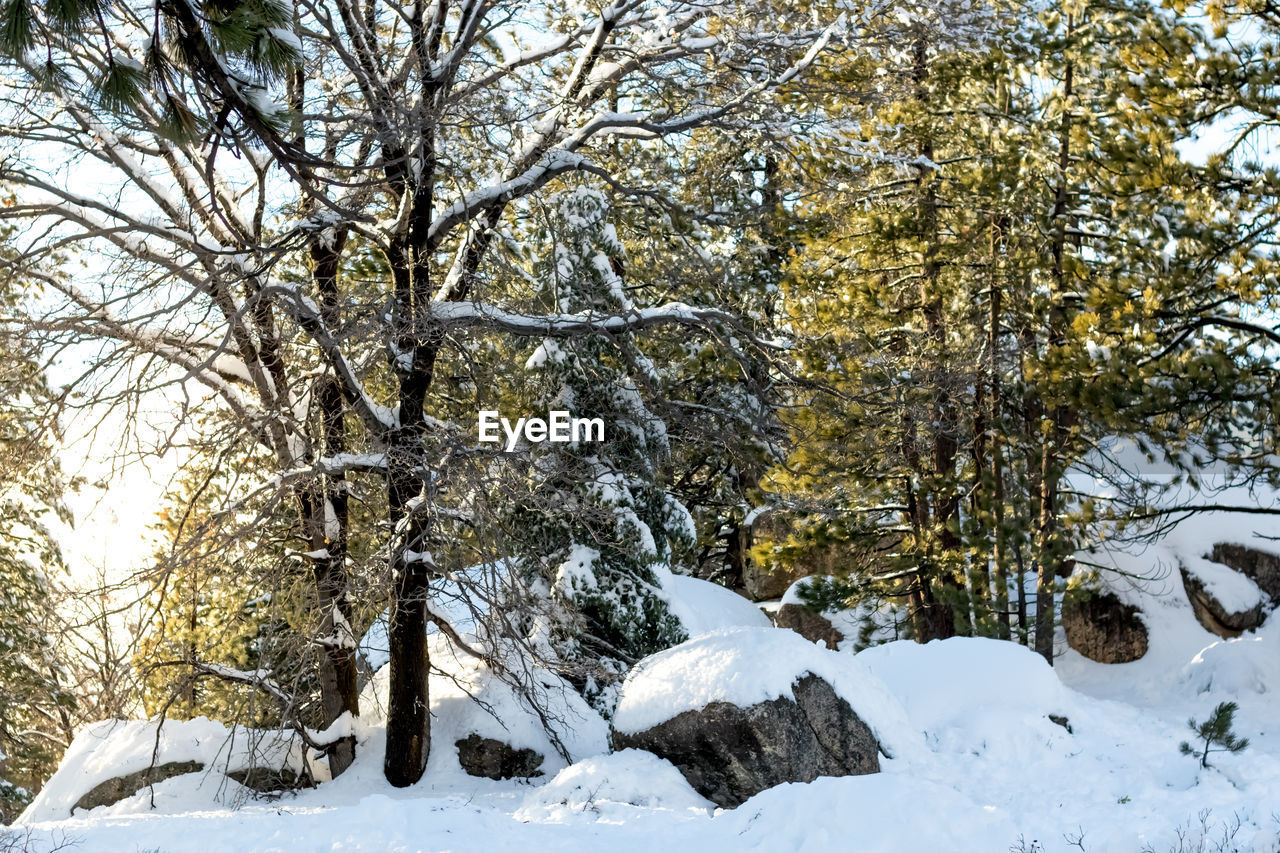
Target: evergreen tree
599 531
220 600
36 699
1017 284
1215 734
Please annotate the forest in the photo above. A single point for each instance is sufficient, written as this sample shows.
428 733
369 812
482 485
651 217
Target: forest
463 390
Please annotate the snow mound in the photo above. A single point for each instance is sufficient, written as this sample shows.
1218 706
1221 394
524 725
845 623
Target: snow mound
880 813
746 666
622 783
467 697
1246 664
703 606
944 680
112 748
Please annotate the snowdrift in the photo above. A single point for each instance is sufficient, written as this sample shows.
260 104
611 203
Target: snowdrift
115 748
992 749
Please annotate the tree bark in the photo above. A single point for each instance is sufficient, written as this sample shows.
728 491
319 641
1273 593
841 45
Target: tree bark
999 558
327 523
413 359
945 499
1057 428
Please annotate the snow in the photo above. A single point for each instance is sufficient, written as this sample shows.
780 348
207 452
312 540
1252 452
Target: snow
977 762
111 748
617 786
467 697
746 666
703 606
577 572
947 679
1233 590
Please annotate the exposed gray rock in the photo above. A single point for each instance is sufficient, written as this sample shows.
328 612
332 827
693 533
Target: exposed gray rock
762 584
1213 616
729 753
1103 628
112 791
493 759
264 780
1261 567
808 623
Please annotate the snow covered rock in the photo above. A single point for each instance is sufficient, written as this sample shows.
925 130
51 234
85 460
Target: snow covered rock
703 606
868 623
111 761
742 710
1215 615
493 759
117 788
815 626
730 754
468 699
1261 567
1104 629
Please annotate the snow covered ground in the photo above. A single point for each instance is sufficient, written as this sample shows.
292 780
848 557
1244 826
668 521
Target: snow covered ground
984 767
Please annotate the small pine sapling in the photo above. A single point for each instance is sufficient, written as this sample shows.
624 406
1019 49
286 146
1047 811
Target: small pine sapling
1215 734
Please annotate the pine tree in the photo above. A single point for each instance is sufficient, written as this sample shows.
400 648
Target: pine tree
36 700
599 531
1020 280
1215 734
219 600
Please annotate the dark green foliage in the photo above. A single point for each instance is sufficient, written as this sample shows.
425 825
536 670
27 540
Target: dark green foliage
214 58
598 529
17 32
1215 734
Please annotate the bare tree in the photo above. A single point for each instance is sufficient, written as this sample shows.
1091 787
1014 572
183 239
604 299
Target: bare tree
413 139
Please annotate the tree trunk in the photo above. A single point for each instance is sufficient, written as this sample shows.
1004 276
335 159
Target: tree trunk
999 557
408 706
1049 540
945 499
413 360
325 516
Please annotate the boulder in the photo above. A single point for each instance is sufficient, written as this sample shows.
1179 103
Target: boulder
1261 567
265 780
808 623
493 759
114 790
1213 615
730 753
1104 629
762 584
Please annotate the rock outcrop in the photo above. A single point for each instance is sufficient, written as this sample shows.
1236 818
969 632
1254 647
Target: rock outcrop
265 780
1261 567
114 790
730 753
1213 615
808 623
761 584
1104 629
493 759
